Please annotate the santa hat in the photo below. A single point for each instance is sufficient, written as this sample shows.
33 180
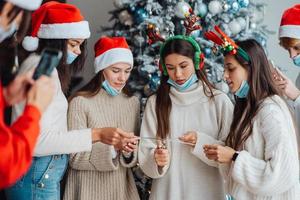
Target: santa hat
26 4
111 50
55 20
290 23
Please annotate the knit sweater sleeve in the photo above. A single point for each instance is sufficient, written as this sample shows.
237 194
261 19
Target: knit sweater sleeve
132 161
147 146
224 111
279 170
100 157
54 138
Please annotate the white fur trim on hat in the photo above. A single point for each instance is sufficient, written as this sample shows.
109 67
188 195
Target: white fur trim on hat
110 57
291 31
79 30
27 4
30 43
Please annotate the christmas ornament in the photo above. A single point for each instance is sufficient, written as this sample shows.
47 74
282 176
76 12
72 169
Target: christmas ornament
153 34
253 25
207 52
125 18
201 9
234 27
182 9
235 7
242 22
215 7
226 7
243 3
140 14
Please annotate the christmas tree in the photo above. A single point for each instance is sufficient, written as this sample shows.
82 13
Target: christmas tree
239 19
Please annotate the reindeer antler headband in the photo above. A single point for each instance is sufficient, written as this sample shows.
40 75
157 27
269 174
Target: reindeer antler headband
191 25
227 45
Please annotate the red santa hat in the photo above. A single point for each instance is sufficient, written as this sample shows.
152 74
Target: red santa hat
26 4
290 23
54 20
111 50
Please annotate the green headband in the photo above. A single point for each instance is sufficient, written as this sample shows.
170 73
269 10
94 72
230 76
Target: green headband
197 57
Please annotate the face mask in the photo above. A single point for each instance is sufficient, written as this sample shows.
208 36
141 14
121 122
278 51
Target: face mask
193 79
71 57
6 34
243 91
109 89
296 60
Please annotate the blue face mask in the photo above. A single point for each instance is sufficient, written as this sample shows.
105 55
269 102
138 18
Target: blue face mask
296 60
243 91
109 89
71 57
8 33
193 79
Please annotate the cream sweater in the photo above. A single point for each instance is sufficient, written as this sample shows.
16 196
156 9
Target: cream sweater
190 175
55 137
268 167
96 174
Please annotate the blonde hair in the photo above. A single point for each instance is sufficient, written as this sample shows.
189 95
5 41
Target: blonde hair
287 42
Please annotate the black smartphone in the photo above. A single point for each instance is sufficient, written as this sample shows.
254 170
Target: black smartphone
49 60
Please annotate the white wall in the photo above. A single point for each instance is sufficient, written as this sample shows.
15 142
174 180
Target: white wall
96 12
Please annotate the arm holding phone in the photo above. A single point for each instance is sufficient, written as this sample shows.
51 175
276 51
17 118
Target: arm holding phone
18 140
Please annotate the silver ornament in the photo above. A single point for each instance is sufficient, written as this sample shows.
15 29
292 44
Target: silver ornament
215 7
182 9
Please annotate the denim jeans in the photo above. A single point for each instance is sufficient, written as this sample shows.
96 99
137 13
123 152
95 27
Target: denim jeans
42 181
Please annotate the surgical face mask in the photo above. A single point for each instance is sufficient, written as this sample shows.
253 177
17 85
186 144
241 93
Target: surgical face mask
71 57
109 89
296 60
193 79
4 34
243 91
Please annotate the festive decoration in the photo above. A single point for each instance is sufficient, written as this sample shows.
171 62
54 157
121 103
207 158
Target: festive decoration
201 9
234 27
190 23
215 7
125 18
140 14
243 3
182 9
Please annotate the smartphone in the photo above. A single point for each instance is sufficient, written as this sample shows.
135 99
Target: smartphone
50 58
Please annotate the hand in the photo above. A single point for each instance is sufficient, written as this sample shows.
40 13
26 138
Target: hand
17 90
189 137
41 93
130 143
161 157
219 153
285 85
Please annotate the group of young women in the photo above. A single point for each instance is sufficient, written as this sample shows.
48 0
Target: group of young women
193 141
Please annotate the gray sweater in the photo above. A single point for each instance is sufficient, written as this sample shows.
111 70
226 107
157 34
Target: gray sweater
96 174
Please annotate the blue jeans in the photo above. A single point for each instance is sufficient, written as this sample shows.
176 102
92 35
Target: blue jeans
42 181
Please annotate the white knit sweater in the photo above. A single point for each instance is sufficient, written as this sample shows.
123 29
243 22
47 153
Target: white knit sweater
55 137
268 167
190 175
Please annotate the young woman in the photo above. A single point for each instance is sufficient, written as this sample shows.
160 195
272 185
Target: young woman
261 148
104 172
289 35
60 26
186 113
19 139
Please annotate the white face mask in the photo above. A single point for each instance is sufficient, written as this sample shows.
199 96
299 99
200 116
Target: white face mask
4 34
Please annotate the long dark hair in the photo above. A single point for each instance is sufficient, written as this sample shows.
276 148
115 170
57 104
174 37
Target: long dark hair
8 48
163 100
261 86
93 87
65 71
